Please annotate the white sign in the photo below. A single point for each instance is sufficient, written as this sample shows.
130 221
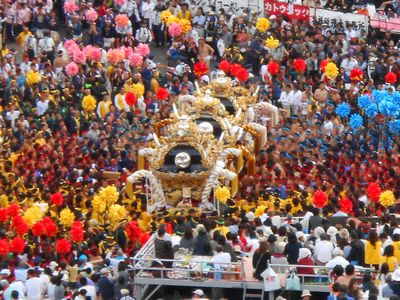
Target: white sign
236 6
331 17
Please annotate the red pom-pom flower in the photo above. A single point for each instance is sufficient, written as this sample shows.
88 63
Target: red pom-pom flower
373 191
4 247
273 68
19 225
63 246
224 66
235 69
162 94
57 199
200 69
38 229
390 78
49 227
323 65
130 99
76 232
356 75
346 205
242 75
299 65
3 215
320 199
17 245
13 210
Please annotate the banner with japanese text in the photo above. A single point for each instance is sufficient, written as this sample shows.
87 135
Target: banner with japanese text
290 10
331 18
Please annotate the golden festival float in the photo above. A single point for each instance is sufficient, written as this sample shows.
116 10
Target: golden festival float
198 154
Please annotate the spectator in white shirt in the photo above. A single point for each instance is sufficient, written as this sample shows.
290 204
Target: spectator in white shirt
43 104
20 273
90 290
351 33
286 98
12 115
349 63
222 259
143 34
34 286
337 259
323 250
297 97
147 10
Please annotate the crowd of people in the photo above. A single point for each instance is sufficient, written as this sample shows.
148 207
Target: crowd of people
66 120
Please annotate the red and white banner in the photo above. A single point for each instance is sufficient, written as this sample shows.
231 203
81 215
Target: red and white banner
292 11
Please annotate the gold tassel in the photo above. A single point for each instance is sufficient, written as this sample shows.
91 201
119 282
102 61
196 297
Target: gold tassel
234 185
240 162
140 162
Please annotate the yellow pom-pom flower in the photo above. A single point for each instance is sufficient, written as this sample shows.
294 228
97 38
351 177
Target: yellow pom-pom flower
138 89
165 15
185 25
262 24
331 70
109 195
116 213
222 194
3 201
67 217
260 210
272 43
172 19
89 103
98 204
32 215
32 77
387 198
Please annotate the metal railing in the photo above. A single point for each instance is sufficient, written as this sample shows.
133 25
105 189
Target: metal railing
195 271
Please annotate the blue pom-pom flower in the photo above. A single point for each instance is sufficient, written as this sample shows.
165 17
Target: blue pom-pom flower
343 110
371 110
356 121
363 101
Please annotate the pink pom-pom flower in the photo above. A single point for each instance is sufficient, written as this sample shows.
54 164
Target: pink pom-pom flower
119 2
135 60
175 30
69 43
121 20
71 69
115 55
143 49
91 15
93 53
70 7
79 57
128 51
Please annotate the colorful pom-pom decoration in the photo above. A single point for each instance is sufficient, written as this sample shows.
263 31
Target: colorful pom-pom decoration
391 78
200 69
320 199
273 68
162 94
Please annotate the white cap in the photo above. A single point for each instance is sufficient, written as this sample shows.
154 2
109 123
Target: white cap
337 252
53 264
250 216
6 272
104 271
272 17
199 292
205 78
